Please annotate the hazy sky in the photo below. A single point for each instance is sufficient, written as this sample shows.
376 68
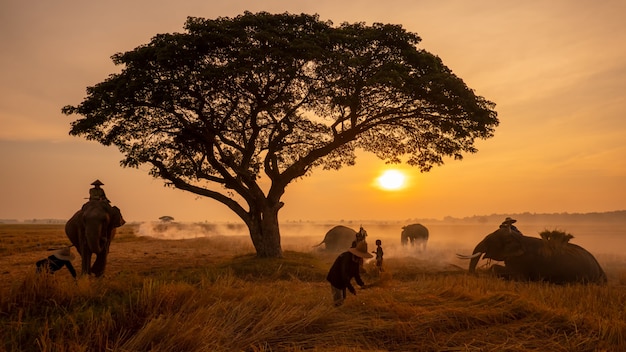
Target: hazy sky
555 69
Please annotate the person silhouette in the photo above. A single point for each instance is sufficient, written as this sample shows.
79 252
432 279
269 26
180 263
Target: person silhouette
379 255
55 262
508 222
96 192
346 267
360 236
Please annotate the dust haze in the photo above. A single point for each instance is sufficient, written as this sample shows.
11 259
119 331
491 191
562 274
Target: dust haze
604 239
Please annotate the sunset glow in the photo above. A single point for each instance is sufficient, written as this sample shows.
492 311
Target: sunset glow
391 180
553 152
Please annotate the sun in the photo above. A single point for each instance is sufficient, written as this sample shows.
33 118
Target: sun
391 180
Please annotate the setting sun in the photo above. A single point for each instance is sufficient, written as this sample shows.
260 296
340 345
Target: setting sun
391 180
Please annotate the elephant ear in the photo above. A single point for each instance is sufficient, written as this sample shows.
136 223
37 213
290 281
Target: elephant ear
513 247
116 217
499 247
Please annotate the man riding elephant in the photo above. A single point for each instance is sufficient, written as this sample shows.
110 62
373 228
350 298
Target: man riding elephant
96 192
92 228
508 224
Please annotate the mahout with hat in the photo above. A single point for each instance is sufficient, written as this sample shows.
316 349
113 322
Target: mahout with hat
508 224
509 220
92 228
360 250
345 268
96 192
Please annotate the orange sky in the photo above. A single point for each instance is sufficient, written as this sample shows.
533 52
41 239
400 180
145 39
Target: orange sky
555 69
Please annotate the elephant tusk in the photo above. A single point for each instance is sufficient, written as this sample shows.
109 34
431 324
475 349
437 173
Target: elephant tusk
463 256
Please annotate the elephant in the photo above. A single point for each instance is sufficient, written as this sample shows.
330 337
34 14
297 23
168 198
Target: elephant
417 234
91 230
550 258
338 238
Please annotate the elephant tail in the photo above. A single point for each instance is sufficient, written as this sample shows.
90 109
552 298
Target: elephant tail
321 243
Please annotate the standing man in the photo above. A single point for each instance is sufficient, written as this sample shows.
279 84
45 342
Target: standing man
344 269
379 255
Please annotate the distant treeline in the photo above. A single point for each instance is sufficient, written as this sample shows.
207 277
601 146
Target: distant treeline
33 221
618 216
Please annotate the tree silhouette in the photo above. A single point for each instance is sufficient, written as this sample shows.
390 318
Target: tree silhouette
234 109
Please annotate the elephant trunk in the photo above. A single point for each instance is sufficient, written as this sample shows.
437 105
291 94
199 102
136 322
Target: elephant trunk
94 235
476 254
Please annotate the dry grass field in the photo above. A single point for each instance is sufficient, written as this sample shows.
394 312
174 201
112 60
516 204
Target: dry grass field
202 289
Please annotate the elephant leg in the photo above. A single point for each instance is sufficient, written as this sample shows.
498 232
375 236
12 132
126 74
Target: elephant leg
99 264
501 271
101 260
85 263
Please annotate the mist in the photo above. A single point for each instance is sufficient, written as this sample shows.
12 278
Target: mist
605 240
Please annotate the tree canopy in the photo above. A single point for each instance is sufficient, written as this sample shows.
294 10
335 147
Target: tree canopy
232 100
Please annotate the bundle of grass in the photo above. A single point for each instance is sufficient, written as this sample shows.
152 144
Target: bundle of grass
556 236
555 241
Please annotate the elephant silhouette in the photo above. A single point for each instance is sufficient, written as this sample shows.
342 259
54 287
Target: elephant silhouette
415 234
550 258
91 230
338 238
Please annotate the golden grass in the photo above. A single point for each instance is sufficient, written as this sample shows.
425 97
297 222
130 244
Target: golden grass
212 294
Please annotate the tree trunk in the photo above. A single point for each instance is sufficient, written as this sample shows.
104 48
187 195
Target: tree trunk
265 233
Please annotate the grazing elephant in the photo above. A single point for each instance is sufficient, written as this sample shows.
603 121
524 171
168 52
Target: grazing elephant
338 238
91 230
550 258
417 234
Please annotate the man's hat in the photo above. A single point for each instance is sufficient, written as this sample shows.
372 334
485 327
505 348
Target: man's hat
360 250
508 220
97 183
64 254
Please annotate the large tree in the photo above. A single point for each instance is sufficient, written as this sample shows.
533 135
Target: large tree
234 109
